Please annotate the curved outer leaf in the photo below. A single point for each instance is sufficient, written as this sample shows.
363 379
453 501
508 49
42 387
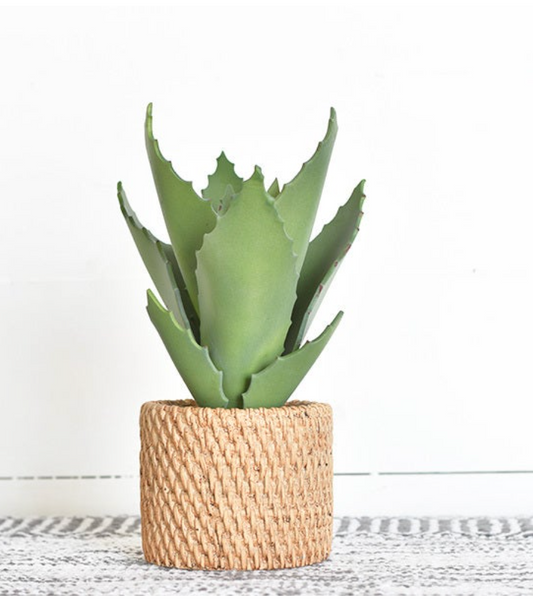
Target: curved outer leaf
223 176
190 311
161 264
188 217
323 259
273 386
298 201
247 287
192 361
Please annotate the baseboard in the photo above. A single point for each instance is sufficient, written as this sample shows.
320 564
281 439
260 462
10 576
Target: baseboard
450 494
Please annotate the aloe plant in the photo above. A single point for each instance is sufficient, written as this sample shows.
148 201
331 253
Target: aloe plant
240 281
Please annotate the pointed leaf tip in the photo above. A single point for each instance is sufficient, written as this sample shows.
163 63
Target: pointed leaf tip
274 385
258 173
151 300
148 122
332 124
298 201
322 261
161 264
273 189
217 182
187 216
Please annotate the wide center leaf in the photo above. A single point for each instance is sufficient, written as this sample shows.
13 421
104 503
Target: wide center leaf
247 279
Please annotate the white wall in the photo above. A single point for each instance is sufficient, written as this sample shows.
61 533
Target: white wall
430 369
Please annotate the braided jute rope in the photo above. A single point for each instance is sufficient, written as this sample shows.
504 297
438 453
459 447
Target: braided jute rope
236 489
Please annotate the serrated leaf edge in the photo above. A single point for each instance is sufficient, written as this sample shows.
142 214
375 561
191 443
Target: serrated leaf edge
155 143
196 345
332 270
331 132
222 155
256 174
331 327
131 216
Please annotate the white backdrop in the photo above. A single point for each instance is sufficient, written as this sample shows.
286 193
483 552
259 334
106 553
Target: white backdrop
429 371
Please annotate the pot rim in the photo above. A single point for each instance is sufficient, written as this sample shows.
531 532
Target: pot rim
190 403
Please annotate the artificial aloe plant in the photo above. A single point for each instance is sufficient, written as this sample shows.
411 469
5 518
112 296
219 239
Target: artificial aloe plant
240 279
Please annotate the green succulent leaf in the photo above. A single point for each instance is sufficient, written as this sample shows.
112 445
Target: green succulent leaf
223 176
221 206
162 266
200 375
273 189
298 201
190 311
322 262
273 386
247 287
188 217
239 260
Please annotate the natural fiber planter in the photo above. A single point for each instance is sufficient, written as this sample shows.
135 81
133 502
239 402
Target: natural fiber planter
236 489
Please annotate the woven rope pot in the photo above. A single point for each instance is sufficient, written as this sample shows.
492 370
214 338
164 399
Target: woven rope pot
236 489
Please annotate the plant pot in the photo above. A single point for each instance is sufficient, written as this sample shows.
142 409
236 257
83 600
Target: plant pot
236 489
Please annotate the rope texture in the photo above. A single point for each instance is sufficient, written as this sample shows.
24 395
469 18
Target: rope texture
236 489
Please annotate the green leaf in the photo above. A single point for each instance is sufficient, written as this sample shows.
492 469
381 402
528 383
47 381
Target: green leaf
247 287
221 206
161 264
202 378
188 217
273 386
273 189
298 201
223 177
322 262
190 311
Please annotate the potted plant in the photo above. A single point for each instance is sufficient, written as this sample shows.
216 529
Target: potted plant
237 477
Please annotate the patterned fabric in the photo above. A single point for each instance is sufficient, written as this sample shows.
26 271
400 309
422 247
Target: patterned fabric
403 556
